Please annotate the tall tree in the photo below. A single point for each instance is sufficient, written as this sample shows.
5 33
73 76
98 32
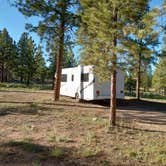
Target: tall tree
159 77
101 34
68 57
57 17
141 44
7 55
146 81
26 58
162 18
40 65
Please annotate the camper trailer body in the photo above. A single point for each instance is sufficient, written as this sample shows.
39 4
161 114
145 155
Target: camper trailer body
81 83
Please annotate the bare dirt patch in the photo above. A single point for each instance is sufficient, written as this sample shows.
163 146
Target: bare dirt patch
36 131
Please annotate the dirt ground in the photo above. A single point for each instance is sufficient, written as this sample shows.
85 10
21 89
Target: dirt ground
36 131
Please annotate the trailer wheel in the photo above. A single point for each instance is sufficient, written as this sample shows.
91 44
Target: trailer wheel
77 97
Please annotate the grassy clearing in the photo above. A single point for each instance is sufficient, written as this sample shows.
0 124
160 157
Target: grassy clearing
148 96
36 132
142 146
159 100
24 87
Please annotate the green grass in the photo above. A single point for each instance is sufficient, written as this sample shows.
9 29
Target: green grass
19 86
90 152
148 153
146 95
141 146
87 131
36 163
52 137
57 152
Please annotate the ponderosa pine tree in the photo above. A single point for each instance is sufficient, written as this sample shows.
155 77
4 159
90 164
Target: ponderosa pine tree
56 18
40 65
141 44
159 77
162 18
26 58
68 59
8 53
22 51
102 31
146 77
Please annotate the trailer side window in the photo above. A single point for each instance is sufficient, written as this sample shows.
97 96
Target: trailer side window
64 78
84 77
72 77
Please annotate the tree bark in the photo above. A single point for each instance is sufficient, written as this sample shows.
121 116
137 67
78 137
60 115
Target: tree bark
113 99
2 72
113 76
138 80
164 91
28 80
21 79
57 81
6 75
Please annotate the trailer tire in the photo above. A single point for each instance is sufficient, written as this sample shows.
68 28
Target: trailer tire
77 97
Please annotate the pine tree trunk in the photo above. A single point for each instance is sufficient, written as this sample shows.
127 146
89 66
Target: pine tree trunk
21 77
2 73
164 91
53 82
138 80
6 75
113 77
57 81
113 99
28 79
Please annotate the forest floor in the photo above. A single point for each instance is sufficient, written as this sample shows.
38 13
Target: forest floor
36 131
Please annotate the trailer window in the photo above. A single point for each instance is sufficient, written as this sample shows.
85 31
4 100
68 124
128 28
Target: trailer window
85 77
72 77
64 78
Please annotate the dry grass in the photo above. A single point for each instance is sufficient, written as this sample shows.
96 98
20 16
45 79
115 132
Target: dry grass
36 131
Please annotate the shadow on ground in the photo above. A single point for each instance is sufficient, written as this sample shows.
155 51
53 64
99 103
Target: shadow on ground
142 111
27 154
26 109
143 105
63 103
131 103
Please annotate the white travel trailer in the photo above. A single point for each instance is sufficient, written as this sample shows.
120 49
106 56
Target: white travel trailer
81 83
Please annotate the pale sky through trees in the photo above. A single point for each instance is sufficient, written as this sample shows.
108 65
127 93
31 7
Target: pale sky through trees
15 22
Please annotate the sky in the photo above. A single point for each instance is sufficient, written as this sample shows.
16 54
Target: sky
14 21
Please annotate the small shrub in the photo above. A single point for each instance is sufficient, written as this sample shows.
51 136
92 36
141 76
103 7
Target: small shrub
34 105
36 163
133 154
54 137
160 158
104 163
58 153
63 139
90 137
89 152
